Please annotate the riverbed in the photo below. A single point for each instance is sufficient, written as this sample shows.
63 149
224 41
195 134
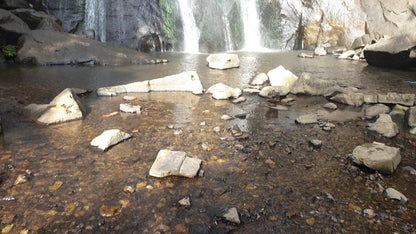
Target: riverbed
274 177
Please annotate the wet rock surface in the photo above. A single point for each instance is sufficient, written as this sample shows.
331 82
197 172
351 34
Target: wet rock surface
177 163
221 91
109 138
385 126
377 156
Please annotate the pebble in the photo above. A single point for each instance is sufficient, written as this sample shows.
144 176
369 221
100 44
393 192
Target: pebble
310 221
109 211
232 215
21 179
205 147
239 100
331 106
128 189
307 119
279 108
226 117
411 170
392 193
316 143
129 98
186 201
369 213
217 129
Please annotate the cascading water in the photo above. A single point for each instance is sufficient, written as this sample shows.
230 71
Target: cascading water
191 32
228 39
95 18
251 23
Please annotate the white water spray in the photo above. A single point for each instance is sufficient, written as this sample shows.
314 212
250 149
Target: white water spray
251 22
191 32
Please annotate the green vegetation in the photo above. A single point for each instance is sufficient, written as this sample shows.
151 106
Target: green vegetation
9 51
168 26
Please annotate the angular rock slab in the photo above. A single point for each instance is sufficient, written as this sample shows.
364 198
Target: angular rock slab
221 91
109 138
307 119
223 61
177 163
352 99
260 79
282 77
183 82
397 98
373 111
377 156
63 108
231 215
412 117
385 126
392 193
128 108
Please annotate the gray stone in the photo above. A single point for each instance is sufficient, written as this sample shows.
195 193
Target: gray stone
135 87
399 110
274 91
279 108
397 98
370 98
281 77
306 55
221 91
316 143
377 156
260 79
183 82
413 131
231 215
13 4
352 99
385 126
373 111
239 100
392 193
43 47
319 51
347 54
412 117
312 86
361 42
11 27
186 201
128 108
32 17
109 138
169 163
226 117
330 106
63 108
223 61
307 119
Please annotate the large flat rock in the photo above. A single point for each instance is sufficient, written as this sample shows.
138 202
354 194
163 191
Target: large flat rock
377 156
42 47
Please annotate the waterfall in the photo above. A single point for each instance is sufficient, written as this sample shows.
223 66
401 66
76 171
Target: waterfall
251 22
191 32
228 39
95 18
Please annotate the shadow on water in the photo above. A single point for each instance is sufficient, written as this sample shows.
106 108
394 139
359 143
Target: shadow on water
275 178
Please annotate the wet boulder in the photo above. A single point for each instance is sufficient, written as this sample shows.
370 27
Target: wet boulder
221 91
183 82
63 108
13 4
377 156
361 42
352 99
223 61
375 110
169 163
385 126
42 47
49 24
397 98
32 17
109 138
11 27
394 52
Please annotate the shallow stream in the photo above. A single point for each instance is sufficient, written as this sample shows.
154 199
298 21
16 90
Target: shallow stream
277 181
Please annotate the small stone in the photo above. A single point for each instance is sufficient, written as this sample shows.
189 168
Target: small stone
180 228
287 100
177 132
130 108
174 163
221 91
330 125
260 79
21 179
392 193
331 106
411 170
109 211
239 100
226 117
307 119
56 186
279 108
305 55
185 201
7 229
232 215
385 126
311 221
205 147
369 213
109 138
129 98
217 129
223 61
202 124
128 189
316 143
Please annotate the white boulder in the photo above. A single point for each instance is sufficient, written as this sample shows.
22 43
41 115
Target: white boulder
223 61
135 87
183 82
128 108
282 77
260 79
109 138
221 91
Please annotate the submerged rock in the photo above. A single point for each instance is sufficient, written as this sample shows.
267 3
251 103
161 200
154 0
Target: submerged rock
392 193
260 79
183 82
385 126
177 163
273 91
282 78
128 108
373 111
394 52
109 138
312 86
223 61
397 98
307 119
352 99
63 108
221 91
377 156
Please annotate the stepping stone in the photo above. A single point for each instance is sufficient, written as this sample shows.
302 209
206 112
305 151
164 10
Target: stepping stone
109 138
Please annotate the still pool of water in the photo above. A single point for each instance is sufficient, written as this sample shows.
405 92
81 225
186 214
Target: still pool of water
275 179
